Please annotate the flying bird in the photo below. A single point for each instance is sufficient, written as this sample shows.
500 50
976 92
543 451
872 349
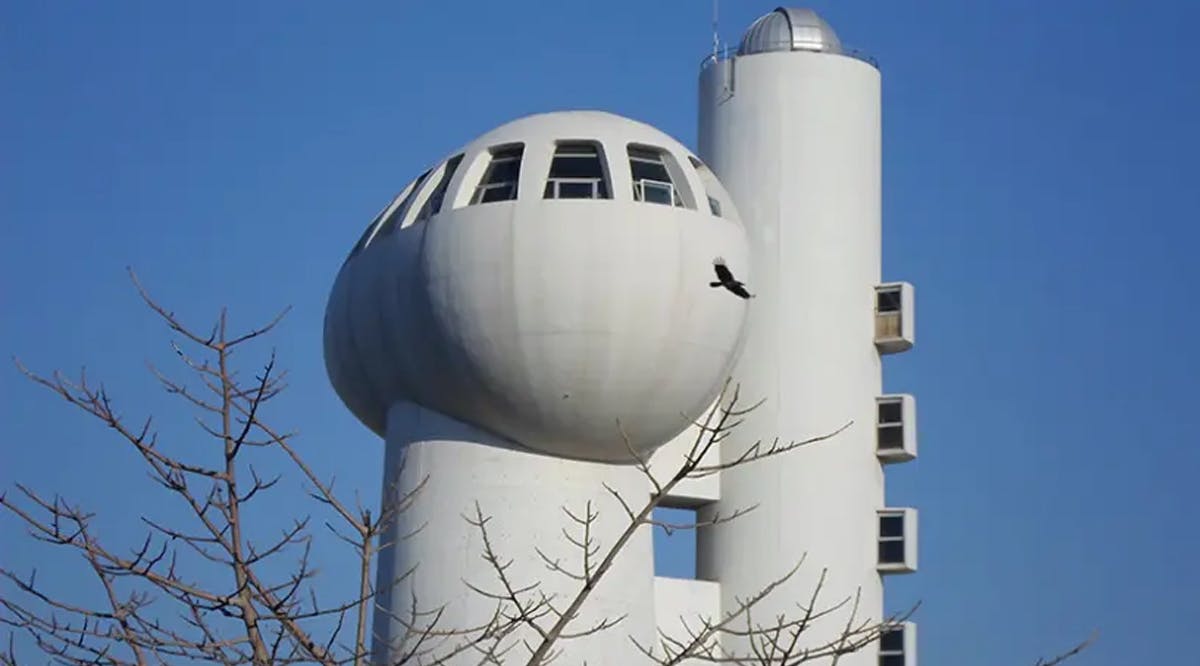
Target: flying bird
725 279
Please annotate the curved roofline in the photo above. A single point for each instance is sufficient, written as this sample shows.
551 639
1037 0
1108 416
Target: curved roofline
789 29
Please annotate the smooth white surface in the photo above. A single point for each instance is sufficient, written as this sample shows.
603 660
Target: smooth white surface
525 494
682 606
565 326
695 492
795 137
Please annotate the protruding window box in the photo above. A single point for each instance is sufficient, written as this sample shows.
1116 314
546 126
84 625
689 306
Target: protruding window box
897 541
898 645
894 314
895 428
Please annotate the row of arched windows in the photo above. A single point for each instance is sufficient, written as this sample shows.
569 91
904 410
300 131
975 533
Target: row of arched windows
577 171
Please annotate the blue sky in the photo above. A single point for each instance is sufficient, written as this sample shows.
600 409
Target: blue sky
1040 190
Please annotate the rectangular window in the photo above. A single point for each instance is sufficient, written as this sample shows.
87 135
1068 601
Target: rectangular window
891 438
891 538
576 172
891 412
890 424
653 191
892 640
891 526
888 300
894 331
714 206
895 428
897 540
897 645
891 551
433 205
502 177
570 189
652 181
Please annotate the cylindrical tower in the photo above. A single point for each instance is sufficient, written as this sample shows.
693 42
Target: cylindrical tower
791 125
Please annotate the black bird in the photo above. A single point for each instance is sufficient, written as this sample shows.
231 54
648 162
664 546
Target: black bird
725 279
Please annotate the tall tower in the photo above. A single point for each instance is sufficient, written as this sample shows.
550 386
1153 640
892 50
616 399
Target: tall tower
541 303
513 324
791 125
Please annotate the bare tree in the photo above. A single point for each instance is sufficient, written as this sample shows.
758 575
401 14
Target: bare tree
228 601
211 591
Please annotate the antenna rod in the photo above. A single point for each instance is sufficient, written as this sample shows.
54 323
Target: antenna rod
716 33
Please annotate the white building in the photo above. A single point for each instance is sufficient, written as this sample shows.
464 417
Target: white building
538 304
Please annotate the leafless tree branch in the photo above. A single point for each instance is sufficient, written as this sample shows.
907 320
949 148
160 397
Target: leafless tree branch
208 591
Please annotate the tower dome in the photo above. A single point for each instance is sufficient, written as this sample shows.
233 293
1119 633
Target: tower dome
790 29
548 283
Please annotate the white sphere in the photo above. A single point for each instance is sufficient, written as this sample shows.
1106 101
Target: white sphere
578 327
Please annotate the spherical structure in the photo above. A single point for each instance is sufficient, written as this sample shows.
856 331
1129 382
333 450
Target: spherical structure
790 29
550 283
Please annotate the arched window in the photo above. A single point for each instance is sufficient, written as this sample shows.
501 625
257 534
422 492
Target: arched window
433 205
577 172
502 177
373 228
710 184
366 237
657 177
393 220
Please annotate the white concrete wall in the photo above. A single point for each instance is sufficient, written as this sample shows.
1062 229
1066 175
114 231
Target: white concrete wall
683 606
697 491
525 494
547 321
795 138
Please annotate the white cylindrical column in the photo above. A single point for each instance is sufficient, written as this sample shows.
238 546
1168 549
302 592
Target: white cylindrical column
795 137
436 552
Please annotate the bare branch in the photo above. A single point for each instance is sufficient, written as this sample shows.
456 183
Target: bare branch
1055 661
208 590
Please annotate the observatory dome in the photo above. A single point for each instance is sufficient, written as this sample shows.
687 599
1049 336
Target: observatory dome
790 30
548 283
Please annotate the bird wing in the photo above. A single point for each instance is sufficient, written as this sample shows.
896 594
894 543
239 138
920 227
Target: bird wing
723 273
738 289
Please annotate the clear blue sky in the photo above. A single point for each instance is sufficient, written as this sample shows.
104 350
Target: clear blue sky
1040 182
